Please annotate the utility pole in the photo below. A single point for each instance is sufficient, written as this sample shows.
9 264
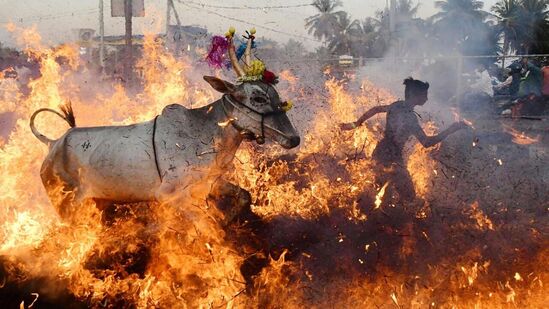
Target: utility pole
129 53
175 13
459 88
392 28
101 37
392 16
177 44
168 17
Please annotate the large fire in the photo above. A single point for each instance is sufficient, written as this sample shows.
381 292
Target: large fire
321 231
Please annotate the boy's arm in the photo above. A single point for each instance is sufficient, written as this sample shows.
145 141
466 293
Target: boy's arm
429 141
367 115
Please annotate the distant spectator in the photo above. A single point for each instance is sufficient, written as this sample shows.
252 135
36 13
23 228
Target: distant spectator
531 84
503 87
515 71
545 72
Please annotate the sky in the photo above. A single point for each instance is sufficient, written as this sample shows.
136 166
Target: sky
56 20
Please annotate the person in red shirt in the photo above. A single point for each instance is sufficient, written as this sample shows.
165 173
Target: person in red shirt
545 87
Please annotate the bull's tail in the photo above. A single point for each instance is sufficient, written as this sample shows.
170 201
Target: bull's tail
66 113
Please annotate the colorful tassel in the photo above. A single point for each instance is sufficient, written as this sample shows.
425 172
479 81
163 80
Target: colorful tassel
242 48
217 55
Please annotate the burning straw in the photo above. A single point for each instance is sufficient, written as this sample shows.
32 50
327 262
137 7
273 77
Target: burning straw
316 235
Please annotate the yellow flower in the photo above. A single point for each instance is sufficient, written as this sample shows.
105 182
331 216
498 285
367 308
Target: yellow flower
256 68
286 106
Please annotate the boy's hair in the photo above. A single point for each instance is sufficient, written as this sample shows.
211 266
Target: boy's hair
414 86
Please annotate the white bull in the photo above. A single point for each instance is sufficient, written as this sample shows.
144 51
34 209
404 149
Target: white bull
150 160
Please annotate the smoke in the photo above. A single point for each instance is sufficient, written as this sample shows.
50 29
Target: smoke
313 235
438 54
478 178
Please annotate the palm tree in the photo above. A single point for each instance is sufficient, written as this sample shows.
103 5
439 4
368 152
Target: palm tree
405 10
381 23
458 19
533 14
409 32
322 25
523 25
293 49
400 30
341 41
365 39
507 13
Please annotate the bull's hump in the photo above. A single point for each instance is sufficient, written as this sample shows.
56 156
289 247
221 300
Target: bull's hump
191 119
174 108
180 110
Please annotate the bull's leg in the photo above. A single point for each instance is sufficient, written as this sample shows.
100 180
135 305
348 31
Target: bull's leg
245 227
62 191
67 201
233 201
107 209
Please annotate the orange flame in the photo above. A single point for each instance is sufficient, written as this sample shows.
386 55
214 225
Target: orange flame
192 260
379 195
520 138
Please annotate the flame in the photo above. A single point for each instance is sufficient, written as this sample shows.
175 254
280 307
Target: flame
30 222
379 195
518 277
184 256
481 219
225 123
520 138
23 231
420 163
469 123
457 118
291 79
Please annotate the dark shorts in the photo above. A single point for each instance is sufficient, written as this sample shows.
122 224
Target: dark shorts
399 179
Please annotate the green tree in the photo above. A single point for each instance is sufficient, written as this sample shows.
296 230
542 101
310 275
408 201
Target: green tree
293 49
405 11
507 14
410 33
533 15
365 39
323 24
402 32
523 25
458 19
341 42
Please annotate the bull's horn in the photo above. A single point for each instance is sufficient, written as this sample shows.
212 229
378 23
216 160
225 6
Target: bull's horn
248 52
232 54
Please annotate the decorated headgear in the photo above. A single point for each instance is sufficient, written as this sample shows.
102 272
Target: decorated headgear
253 70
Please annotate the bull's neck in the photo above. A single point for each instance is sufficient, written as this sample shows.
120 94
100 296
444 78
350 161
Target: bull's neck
228 138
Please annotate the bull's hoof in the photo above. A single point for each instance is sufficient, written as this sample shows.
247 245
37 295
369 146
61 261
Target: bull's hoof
251 267
121 261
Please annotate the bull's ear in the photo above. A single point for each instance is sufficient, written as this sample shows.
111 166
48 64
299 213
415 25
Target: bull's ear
220 85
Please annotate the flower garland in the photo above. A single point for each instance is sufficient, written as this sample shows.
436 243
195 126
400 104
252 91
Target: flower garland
254 71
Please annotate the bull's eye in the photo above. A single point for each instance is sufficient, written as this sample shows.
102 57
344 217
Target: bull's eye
261 100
